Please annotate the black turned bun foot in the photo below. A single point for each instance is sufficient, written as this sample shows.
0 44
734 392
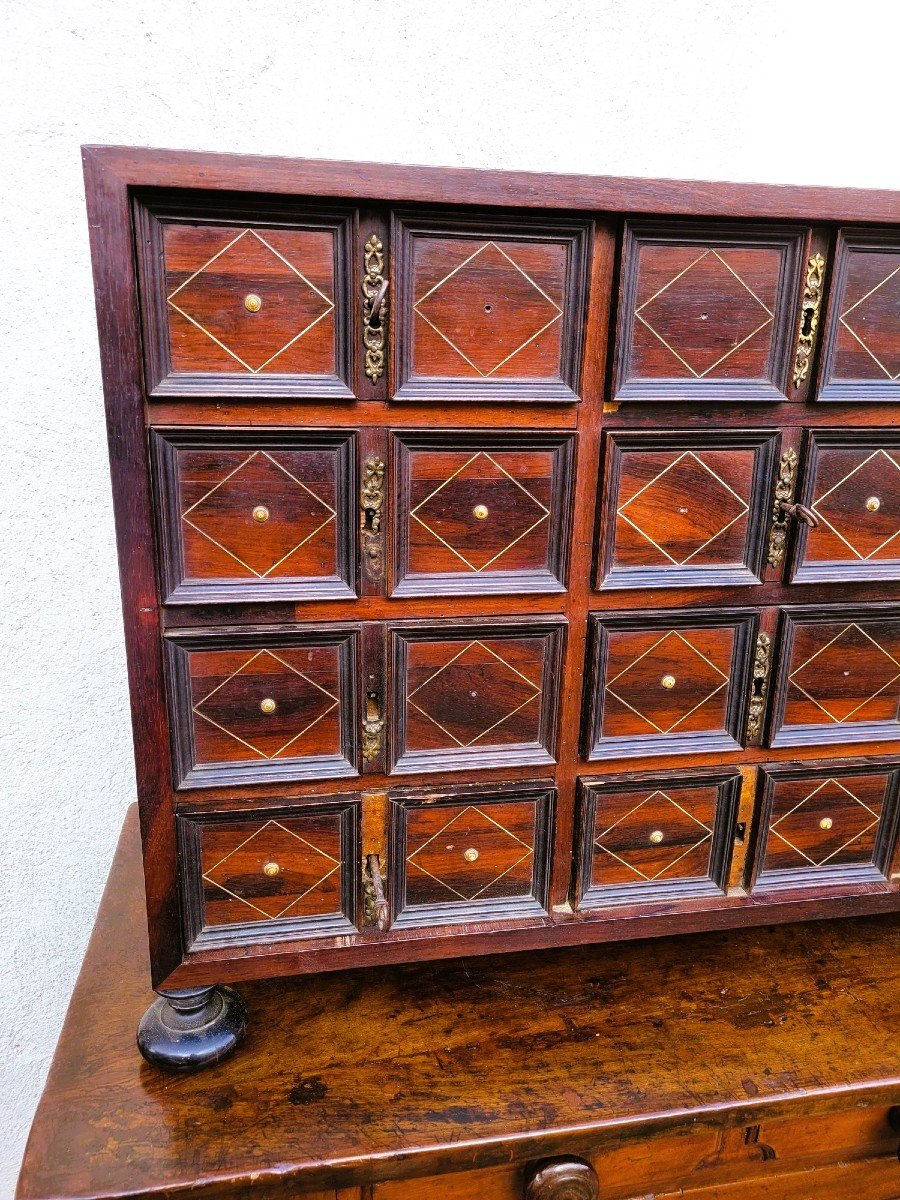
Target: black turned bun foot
191 1028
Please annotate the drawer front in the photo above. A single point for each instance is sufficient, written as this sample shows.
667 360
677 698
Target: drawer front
839 676
685 509
826 825
253 514
260 706
707 311
475 695
668 682
481 513
279 873
486 309
478 855
244 302
646 839
852 485
861 349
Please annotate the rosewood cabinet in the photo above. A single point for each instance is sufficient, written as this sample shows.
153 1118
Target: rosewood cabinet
508 561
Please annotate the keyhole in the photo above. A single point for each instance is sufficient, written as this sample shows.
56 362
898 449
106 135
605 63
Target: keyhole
489 308
704 316
806 324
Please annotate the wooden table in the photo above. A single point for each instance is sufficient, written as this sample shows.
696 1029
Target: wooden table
756 1063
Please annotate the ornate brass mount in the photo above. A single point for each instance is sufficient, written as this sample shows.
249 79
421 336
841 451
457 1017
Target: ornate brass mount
809 317
759 687
372 729
374 900
785 507
371 502
374 290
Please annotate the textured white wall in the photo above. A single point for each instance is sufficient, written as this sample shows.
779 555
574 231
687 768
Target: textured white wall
736 89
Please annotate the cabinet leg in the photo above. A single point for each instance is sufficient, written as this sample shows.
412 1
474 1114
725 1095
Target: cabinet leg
191 1028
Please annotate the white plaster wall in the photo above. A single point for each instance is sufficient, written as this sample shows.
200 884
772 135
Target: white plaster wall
766 90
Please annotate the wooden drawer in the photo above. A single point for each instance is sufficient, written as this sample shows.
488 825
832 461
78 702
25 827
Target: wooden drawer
245 301
852 485
470 694
707 311
828 825
255 514
839 676
645 839
481 513
685 508
270 874
257 705
488 309
668 682
481 854
861 348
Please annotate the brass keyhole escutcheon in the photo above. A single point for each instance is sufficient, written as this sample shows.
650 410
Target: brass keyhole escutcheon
480 512
271 869
268 705
470 855
260 513
826 823
668 682
873 504
657 836
252 302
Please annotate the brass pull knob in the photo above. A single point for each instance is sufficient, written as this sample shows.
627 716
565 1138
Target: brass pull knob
668 682
480 512
657 836
268 705
252 302
826 823
271 869
562 1179
260 513
873 504
471 855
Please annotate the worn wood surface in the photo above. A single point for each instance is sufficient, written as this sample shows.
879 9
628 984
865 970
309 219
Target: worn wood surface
689 1057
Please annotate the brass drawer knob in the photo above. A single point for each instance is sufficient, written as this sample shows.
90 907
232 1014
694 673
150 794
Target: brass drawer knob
668 682
271 869
657 836
480 512
260 513
873 504
471 855
562 1179
268 705
252 302
826 823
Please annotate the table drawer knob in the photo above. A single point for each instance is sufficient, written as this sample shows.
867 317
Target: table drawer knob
480 512
562 1179
252 302
873 504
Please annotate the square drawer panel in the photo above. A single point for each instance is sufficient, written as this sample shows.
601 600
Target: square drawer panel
838 676
861 347
475 694
278 873
655 838
852 484
707 311
245 301
261 705
488 309
668 682
255 514
824 825
481 513
474 854
685 508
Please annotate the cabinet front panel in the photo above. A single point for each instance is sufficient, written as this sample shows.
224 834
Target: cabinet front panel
828 825
235 303
839 677
668 683
685 508
655 838
255 514
481 513
475 695
489 310
853 488
861 355
475 857
707 312
275 874
263 706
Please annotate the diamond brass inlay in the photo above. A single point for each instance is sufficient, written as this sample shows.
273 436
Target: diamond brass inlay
495 838
318 303
493 341
831 507
865 337
830 662
717 680
794 818
678 854
695 477
319 694
284 847
729 279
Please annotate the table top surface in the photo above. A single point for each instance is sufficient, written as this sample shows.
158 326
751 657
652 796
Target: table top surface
361 1075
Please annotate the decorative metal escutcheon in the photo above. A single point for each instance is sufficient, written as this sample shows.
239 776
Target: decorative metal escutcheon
374 290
